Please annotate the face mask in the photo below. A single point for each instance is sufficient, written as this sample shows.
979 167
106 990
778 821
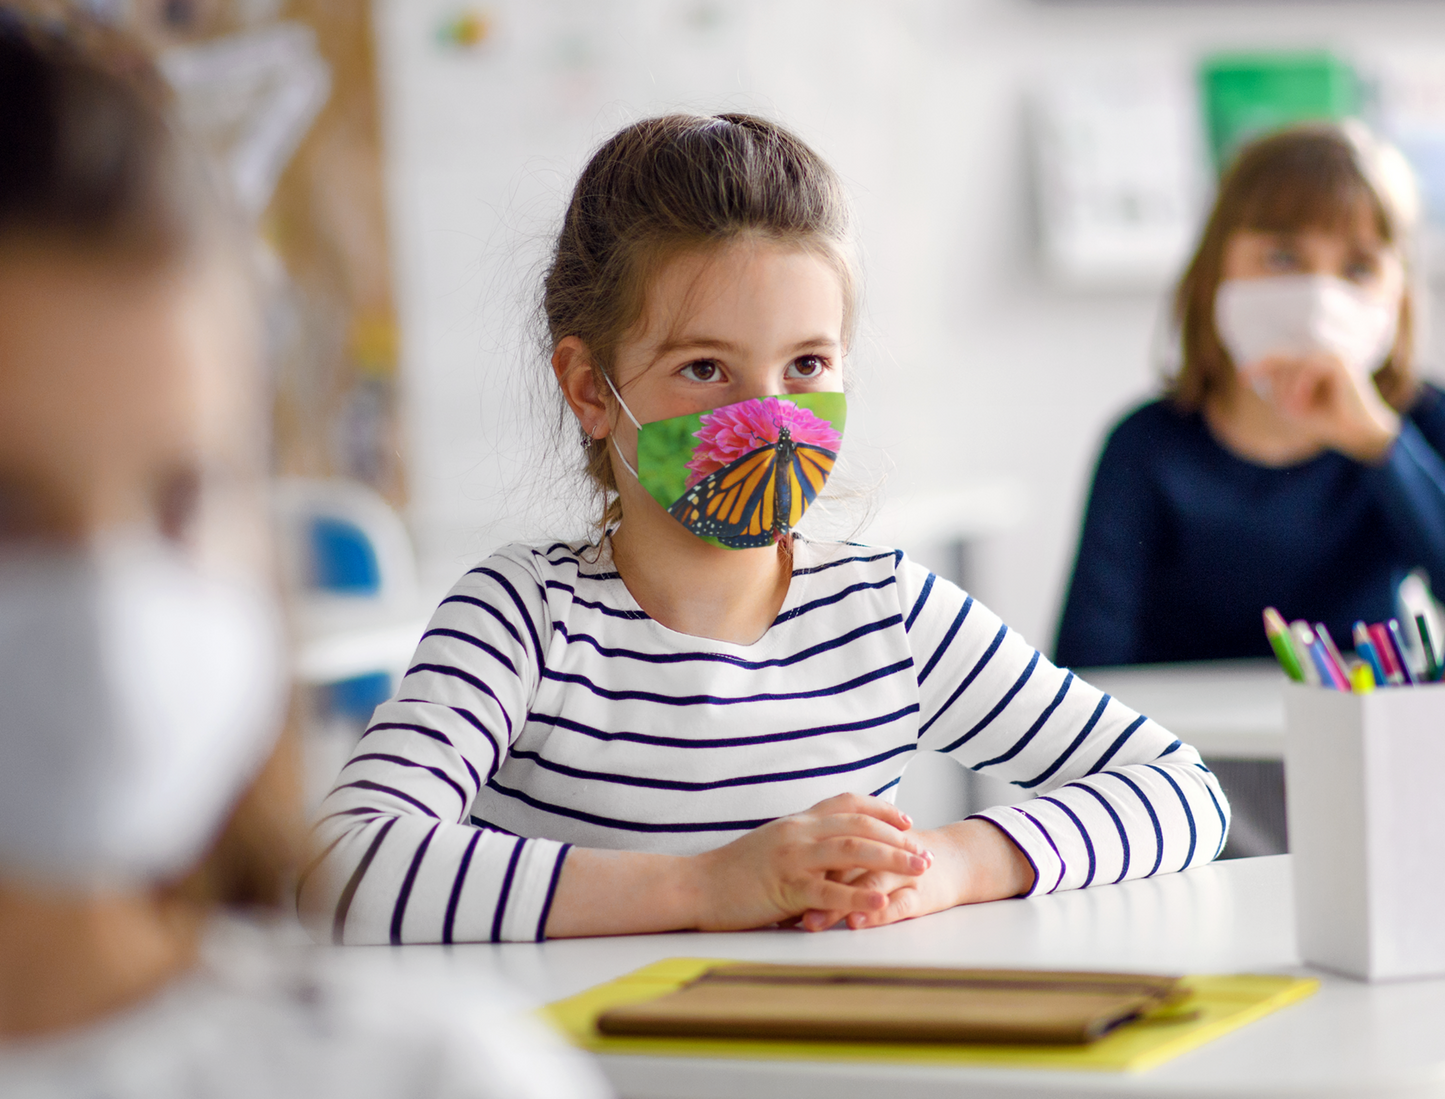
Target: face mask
138 697
1297 315
741 475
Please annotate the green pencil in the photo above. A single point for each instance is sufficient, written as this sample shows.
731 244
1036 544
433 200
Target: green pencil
1279 638
1432 666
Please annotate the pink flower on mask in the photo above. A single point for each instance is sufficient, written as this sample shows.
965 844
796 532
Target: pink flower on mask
729 432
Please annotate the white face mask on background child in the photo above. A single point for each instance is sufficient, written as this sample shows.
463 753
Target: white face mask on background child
138 697
1293 316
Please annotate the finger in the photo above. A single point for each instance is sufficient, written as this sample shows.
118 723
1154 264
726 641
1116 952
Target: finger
882 810
816 919
903 904
853 852
871 828
826 896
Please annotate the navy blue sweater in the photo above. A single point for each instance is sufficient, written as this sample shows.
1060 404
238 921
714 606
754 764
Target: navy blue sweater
1185 543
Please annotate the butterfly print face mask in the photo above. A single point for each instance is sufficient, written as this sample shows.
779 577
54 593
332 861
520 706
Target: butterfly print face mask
741 475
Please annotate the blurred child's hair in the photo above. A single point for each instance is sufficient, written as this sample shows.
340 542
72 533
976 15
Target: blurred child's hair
676 184
92 162
1333 178
90 158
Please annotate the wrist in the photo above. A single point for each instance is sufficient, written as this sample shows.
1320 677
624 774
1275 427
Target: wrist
1373 435
983 862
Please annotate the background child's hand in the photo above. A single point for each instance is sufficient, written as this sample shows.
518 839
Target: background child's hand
1338 408
973 861
800 862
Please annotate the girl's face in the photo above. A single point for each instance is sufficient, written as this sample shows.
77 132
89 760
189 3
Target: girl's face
1360 258
128 403
751 320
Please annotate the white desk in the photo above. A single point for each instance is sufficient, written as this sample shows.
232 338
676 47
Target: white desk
1228 709
1349 1039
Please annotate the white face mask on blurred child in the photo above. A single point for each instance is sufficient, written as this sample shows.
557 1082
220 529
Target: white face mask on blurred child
138 697
1293 316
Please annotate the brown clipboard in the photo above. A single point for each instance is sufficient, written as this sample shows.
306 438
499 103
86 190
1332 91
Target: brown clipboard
896 1004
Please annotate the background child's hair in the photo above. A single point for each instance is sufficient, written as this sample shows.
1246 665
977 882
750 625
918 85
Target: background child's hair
675 184
1320 176
92 163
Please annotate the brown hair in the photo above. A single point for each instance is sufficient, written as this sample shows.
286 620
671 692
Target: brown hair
1316 176
669 185
91 159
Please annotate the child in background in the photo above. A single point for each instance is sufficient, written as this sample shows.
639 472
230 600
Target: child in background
141 670
699 719
1295 460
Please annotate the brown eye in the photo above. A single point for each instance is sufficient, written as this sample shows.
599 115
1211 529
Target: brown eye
178 500
807 367
701 371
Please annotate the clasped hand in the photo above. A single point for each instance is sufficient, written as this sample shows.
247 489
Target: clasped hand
844 855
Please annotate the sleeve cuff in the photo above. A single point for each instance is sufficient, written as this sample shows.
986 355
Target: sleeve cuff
535 881
1031 838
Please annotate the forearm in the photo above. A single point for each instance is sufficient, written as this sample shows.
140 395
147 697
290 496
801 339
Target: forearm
624 893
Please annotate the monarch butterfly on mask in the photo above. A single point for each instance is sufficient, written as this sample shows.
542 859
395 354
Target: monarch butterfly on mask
758 498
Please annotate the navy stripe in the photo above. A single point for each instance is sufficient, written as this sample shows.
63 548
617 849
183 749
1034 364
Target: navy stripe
1184 801
719 700
1223 824
559 722
495 612
551 892
398 912
494 653
471 681
718 784
1088 843
592 605
343 905
422 729
829 600
1113 749
726 658
987 718
918 603
521 608
1118 825
679 827
1053 767
500 912
844 561
1022 742
886 787
381 788
972 675
1172 748
1153 817
402 761
1063 866
450 922
947 640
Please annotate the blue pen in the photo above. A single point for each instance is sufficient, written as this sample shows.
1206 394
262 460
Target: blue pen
1392 630
1365 648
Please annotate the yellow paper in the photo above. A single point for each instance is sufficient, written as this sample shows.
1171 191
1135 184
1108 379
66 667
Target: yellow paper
1217 1005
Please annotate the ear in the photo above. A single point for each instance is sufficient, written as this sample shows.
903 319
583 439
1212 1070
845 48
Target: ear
577 377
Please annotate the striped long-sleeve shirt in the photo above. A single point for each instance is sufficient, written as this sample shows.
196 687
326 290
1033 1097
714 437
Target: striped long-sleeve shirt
544 709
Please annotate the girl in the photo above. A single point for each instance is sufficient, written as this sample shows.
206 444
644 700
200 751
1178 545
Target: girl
140 669
698 721
1295 459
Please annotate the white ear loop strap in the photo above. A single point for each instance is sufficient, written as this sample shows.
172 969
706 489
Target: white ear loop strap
617 449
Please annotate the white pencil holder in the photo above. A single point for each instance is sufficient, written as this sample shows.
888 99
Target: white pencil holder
1363 776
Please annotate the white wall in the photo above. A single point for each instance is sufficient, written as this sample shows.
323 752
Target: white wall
970 362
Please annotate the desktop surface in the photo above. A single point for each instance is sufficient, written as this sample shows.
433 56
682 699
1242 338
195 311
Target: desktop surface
1229 917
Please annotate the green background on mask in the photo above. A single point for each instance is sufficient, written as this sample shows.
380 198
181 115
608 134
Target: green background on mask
664 447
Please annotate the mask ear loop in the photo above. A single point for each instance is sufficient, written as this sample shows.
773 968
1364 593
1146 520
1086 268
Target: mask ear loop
615 448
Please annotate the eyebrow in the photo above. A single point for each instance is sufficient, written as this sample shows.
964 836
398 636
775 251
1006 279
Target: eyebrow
705 343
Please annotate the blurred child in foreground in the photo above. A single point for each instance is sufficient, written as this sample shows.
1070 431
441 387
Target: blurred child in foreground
142 787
